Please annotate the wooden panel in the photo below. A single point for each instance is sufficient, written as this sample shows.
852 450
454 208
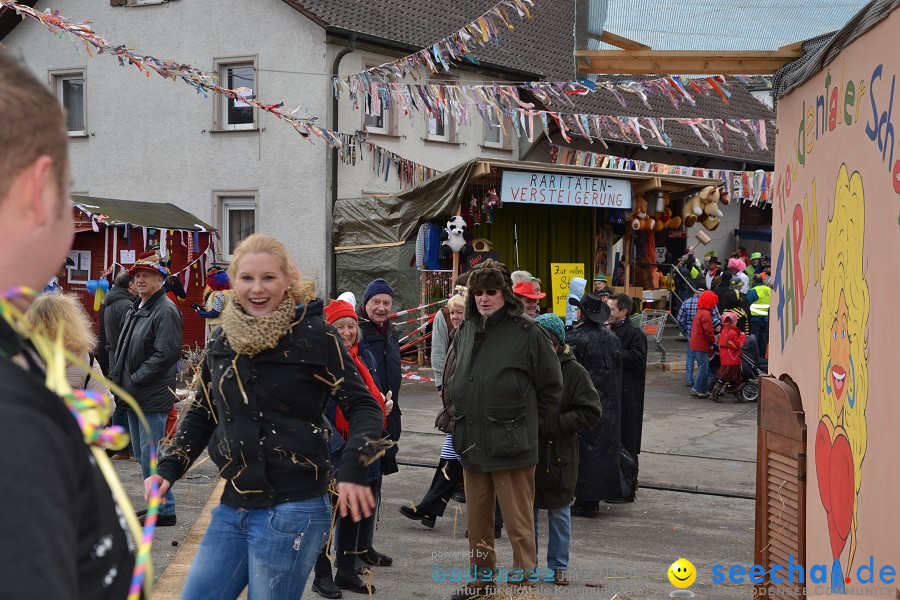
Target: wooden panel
780 480
781 411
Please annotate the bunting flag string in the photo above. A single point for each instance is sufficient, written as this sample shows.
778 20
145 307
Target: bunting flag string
746 186
437 100
634 129
437 57
202 82
384 161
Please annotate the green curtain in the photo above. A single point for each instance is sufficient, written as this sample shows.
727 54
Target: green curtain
547 234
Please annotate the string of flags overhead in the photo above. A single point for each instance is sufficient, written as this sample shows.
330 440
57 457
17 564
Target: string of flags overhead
746 186
201 81
498 99
384 161
634 129
499 104
457 46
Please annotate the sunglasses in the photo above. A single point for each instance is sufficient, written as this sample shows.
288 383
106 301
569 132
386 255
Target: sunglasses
478 293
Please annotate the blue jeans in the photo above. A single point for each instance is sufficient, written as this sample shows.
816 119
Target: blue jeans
701 379
271 550
559 535
689 367
140 445
120 418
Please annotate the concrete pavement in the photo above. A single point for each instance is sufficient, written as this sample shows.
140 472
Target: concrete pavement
697 484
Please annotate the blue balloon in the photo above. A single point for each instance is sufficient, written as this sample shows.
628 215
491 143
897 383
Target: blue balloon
104 284
92 285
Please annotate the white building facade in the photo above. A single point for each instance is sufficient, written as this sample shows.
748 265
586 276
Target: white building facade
239 168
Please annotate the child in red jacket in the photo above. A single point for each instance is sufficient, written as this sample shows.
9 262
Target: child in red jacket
731 340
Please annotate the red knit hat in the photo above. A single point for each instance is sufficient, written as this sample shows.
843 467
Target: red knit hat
338 309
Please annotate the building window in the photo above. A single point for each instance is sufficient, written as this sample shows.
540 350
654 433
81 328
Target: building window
377 118
234 114
70 89
442 129
237 220
493 134
80 269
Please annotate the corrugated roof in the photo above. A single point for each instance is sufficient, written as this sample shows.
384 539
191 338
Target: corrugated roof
161 215
542 46
726 24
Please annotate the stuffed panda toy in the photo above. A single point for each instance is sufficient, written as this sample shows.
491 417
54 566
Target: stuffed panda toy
455 238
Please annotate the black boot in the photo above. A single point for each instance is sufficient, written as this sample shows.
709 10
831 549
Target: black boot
325 587
352 583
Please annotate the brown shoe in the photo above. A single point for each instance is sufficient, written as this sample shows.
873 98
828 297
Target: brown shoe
120 456
561 577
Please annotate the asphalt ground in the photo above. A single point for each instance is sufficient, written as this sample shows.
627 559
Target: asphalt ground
695 501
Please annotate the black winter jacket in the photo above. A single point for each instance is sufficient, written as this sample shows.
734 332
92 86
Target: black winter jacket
147 352
634 374
599 473
61 535
263 420
388 376
112 321
579 410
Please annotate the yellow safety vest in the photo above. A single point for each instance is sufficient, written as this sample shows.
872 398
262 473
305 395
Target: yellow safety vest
760 308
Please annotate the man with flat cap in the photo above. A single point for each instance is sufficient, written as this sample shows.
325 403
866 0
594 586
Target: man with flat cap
597 349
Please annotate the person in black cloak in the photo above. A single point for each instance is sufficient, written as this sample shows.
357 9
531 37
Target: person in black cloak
634 373
598 350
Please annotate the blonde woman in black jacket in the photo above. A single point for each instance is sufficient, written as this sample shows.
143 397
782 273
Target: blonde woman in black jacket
263 386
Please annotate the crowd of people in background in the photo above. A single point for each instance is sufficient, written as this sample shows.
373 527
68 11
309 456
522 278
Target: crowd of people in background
723 313
297 401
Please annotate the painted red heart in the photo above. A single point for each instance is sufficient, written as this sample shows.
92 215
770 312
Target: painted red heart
834 471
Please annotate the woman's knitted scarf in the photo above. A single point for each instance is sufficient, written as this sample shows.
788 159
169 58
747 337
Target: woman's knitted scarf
251 335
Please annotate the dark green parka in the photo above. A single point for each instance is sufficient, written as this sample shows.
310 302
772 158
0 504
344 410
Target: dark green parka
579 410
506 384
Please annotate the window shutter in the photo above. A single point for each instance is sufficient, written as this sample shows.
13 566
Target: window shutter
780 482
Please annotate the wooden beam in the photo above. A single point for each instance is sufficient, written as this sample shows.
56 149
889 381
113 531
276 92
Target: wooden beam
622 42
651 62
639 187
794 46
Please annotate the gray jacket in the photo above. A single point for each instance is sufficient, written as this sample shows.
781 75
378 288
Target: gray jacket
147 352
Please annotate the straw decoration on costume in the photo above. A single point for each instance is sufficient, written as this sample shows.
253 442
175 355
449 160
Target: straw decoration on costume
91 411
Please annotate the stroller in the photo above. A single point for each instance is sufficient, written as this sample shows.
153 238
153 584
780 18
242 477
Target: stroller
752 367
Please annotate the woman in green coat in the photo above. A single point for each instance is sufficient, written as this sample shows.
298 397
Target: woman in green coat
557 469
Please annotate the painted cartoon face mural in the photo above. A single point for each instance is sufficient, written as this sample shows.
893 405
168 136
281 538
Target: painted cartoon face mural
843 371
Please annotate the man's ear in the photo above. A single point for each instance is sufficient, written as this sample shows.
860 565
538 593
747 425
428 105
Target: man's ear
39 189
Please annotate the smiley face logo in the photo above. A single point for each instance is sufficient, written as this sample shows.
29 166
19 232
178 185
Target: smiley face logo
682 573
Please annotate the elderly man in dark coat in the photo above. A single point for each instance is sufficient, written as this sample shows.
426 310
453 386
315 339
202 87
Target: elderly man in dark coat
598 350
506 387
634 374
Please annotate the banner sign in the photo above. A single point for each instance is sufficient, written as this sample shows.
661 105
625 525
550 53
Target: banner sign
561 275
559 189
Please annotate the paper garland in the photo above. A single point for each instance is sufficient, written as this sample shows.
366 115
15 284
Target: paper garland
384 161
628 129
457 46
202 82
746 186
494 100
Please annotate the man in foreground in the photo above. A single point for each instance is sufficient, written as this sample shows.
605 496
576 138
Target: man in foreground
56 509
